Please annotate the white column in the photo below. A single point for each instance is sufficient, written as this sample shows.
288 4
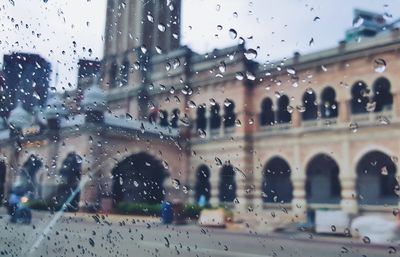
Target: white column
348 182
298 177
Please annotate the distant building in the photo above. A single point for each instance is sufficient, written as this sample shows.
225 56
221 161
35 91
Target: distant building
88 72
26 80
316 131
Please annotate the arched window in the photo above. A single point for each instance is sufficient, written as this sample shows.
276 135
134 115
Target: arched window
113 75
376 180
311 108
203 185
125 72
201 121
267 114
359 99
277 186
175 118
382 96
163 118
227 184
71 172
230 116
329 106
215 117
322 182
283 115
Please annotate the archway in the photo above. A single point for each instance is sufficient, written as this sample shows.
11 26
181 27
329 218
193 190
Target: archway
322 182
203 185
277 186
3 170
227 184
382 96
283 115
139 178
359 99
267 114
329 106
70 172
309 103
376 179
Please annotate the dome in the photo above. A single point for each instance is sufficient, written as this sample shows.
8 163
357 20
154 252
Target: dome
19 117
94 99
54 107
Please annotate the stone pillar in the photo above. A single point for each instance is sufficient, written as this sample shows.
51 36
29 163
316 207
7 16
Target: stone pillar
214 181
344 111
296 119
396 105
90 192
298 177
348 182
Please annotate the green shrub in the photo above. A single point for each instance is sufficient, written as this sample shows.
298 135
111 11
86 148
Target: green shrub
138 208
43 205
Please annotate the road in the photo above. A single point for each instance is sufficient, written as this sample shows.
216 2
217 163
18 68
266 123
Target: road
73 236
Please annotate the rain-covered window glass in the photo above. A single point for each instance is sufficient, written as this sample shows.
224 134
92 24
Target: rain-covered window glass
204 128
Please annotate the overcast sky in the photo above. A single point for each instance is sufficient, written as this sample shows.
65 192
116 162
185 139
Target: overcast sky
277 28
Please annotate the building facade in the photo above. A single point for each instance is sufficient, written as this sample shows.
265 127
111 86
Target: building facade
314 131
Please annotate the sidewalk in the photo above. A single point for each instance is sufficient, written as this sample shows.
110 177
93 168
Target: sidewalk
289 232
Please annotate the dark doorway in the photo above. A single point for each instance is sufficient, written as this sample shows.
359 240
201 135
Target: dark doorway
311 108
203 185
3 170
376 180
283 115
71 172
139 178
329 106
359 98
277 186
267 116
382 96
227 184
322 182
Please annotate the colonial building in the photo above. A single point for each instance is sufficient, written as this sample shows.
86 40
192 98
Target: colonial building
314 131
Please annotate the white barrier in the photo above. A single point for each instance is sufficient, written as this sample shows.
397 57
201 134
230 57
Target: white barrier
335 222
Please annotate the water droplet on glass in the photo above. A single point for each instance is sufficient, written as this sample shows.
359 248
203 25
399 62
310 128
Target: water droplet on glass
201 133
250 54
232 33
379 65
371 106
353 127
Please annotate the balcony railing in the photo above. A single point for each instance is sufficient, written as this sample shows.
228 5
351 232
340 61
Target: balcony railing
319 123
373 118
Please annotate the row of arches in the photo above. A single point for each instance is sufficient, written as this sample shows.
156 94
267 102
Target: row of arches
215 118
376 182
164 119
361 102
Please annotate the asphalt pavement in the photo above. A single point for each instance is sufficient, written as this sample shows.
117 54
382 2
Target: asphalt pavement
88 235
